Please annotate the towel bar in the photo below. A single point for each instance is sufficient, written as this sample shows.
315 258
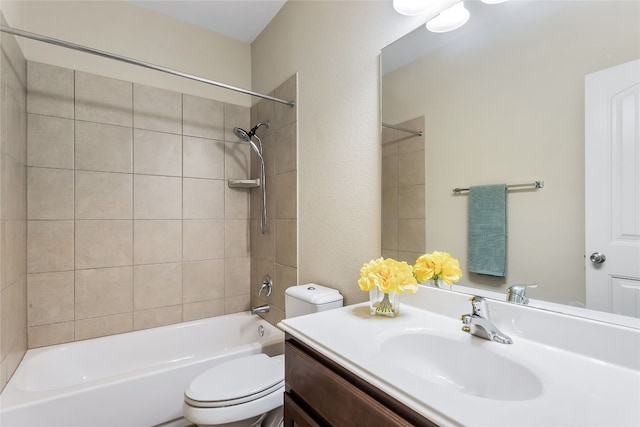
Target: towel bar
535 185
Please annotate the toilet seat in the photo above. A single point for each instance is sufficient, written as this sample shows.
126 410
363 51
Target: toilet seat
237 381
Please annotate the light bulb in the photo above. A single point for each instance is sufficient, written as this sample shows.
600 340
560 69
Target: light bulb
410 7
450 19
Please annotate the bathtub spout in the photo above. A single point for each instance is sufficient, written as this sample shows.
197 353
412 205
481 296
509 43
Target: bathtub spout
260 309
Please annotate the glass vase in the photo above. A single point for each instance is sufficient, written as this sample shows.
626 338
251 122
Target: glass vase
438 283
384 304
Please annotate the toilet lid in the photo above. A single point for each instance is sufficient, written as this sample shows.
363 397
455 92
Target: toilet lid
236 381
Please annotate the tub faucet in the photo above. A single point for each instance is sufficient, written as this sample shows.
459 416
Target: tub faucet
479 322
260 309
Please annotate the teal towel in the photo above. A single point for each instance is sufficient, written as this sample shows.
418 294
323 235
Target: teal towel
488 230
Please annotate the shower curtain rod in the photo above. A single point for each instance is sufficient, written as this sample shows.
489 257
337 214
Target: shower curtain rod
85 49
400 128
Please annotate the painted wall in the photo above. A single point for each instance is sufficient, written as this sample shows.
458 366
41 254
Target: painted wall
128 30
334 46
497 111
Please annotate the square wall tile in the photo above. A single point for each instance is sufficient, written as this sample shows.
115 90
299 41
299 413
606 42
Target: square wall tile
103 195
50 90
14 175
286 242
55 333
157 241
50 298
203 309
103 243
237 203
49 193
413 168
203 280
156 317
49 142
203 199
203 239
236 238
390 171
203 158
49 246
285 114
237 276
285 195
411 201
411 235
157 285
94 327
157 109
285 149
157 197
103 100
237 160
203 117
237 304
103 291
157 153
100 147
235 116
15 250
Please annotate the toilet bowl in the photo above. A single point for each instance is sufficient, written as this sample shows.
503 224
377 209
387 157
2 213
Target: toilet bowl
249 391
236 393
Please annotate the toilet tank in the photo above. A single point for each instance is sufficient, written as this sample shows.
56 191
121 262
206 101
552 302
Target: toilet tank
310 298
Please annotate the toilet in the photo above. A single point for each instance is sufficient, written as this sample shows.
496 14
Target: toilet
249 391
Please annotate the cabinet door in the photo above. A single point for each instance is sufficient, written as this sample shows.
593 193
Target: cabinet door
335 400
295 416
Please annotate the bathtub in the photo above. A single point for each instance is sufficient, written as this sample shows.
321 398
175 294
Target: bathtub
132 379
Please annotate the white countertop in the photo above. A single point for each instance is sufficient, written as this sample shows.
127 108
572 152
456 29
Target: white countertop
574 389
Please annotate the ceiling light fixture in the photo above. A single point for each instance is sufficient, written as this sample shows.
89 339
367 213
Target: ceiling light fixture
449 19
410 7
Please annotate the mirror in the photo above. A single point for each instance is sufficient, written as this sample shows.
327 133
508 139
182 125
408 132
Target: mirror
500 100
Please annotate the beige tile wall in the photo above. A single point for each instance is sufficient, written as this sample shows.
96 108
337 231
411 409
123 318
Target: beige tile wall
13 206
131 223
275 253
403 192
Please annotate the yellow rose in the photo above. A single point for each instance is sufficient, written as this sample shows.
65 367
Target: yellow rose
424 268
437 265
451 272
388 275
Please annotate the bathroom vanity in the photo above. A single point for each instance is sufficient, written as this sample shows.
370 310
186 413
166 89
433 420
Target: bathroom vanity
321 392
346 367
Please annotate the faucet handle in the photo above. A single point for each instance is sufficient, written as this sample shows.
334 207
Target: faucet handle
267 284
516 293
479 307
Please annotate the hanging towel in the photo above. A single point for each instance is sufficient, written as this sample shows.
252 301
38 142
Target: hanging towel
488 230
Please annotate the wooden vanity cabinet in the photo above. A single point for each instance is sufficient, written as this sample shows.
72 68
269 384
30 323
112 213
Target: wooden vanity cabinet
320 392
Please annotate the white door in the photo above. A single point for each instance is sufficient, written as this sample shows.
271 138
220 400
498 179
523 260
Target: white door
612 189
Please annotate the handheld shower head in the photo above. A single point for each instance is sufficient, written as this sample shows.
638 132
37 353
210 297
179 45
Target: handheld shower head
246 136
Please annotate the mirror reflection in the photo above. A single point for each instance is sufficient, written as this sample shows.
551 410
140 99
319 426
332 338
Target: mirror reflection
502 101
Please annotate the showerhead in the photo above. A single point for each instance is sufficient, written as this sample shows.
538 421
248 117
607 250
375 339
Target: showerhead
242 134
246 136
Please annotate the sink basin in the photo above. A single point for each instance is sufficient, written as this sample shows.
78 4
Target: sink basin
464 364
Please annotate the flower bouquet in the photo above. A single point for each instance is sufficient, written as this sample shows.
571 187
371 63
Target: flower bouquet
437 267
386 279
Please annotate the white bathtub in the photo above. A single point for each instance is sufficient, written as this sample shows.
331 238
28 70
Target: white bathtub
132 379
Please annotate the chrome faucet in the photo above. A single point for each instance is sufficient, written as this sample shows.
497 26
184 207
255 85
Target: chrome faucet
260 309
516 293
479 322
